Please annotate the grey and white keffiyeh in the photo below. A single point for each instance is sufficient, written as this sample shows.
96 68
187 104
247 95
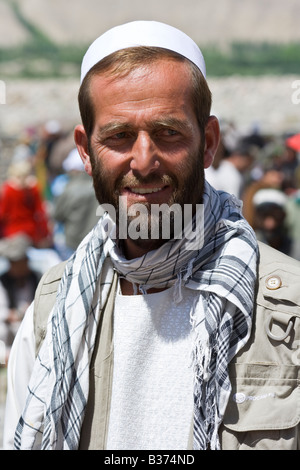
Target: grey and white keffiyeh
222 268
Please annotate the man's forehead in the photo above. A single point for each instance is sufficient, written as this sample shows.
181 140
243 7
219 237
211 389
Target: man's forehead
139 70
161 79
142 33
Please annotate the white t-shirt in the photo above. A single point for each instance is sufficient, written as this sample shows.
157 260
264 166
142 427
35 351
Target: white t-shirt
152 394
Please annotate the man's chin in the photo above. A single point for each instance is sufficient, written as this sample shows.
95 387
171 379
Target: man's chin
147 245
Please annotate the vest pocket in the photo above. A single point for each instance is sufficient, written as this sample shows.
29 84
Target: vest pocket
263 411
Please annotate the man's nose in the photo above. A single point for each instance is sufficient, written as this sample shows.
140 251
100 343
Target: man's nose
144 155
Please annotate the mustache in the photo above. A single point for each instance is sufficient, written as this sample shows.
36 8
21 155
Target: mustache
134 181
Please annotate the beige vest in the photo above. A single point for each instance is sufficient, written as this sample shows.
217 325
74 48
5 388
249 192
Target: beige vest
264 408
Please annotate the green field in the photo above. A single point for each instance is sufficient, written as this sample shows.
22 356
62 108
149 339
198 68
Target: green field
41 58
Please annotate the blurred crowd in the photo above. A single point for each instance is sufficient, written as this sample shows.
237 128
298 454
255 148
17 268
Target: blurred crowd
264 173
47 204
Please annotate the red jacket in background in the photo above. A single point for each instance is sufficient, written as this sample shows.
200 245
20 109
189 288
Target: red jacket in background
22 211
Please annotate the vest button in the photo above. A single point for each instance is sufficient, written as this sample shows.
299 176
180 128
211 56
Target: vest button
239 397
273 282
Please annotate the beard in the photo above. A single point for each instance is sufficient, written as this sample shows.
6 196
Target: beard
147 227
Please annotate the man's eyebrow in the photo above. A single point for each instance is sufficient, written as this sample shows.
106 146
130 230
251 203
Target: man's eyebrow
112 128
165 122
171 122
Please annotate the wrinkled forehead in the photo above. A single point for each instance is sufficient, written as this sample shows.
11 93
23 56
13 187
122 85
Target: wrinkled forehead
142 33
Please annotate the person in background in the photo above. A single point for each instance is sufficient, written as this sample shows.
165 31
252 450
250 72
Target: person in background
229 176
50 135
270 222
270 179
22 208
288 165
76 208
18 284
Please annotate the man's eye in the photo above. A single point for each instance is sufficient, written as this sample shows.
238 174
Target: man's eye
169 132
117 138
120 135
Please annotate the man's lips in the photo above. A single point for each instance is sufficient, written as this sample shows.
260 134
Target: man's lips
144 190
146 193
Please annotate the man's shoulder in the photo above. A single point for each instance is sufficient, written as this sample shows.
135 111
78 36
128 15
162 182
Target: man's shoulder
278 279
44 300
48 284
54 273
270 257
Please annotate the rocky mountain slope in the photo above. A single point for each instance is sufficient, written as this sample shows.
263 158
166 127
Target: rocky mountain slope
219 22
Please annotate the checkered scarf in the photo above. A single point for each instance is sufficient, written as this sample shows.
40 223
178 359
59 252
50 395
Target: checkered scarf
222 267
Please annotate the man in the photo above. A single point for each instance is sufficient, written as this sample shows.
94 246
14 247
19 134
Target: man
147 342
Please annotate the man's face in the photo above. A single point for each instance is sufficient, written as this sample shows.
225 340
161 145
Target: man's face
146 144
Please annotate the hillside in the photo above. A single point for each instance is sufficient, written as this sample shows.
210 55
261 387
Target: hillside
221 22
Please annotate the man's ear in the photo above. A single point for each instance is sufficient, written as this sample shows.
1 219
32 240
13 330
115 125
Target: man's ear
212 140
81 141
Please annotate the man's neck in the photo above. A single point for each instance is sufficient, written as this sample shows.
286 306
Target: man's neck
132 250
127 288
135 249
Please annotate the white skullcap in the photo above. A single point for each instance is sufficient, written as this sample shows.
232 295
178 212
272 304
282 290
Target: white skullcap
271 196
142 33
